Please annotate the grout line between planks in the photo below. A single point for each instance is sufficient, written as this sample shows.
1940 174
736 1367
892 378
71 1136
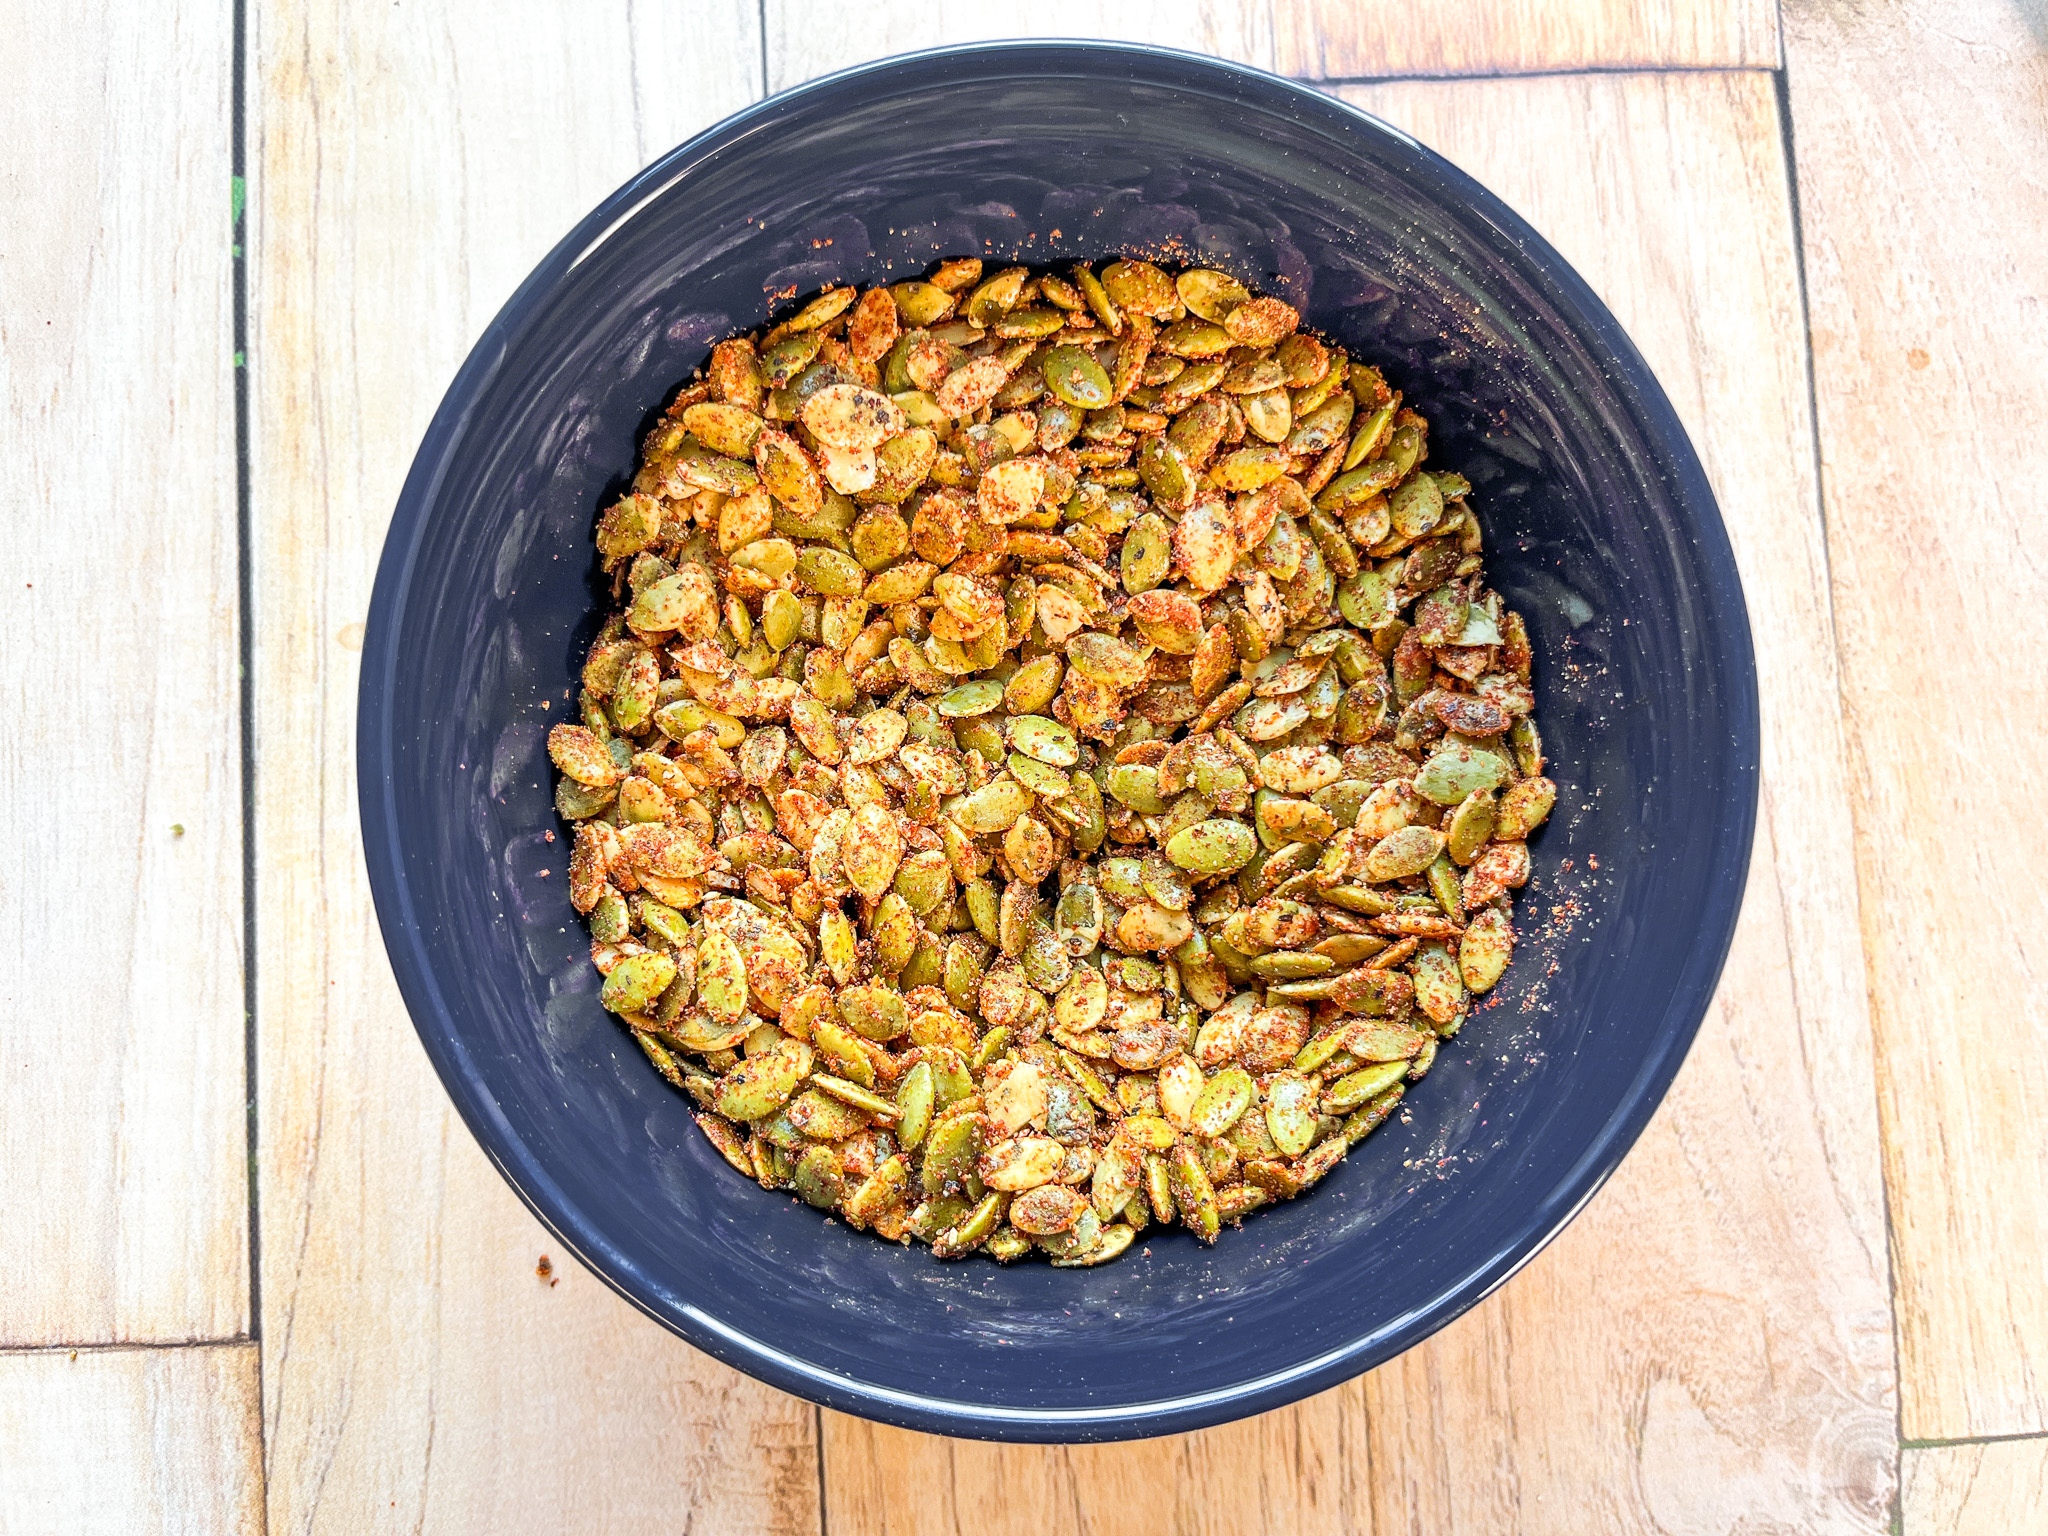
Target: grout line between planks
137 1347
1963 1440
818 1428
245 583
1782 89
1566 72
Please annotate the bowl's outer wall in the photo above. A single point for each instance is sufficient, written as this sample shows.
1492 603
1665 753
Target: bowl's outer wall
1600 529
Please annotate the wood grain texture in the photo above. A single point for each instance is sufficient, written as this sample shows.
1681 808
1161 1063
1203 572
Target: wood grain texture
808 38
1345 40
1999 1489
123 1184
1302 1471
412 164
108 1442
1929 291
1707 1349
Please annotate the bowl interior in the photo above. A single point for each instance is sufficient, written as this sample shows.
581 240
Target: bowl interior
1600 529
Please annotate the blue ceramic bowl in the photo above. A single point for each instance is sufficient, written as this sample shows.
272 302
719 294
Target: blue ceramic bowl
1601 530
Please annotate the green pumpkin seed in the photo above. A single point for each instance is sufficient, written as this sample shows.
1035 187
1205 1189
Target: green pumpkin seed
721 980
1139 287
1137 786
830 573
1044 740
841 1049
894 933
914 1103
1399 854
1193 1194
1459 770
970 699
1210 294
1048 783
1485 949
1076 378
1524 807
872 1104
762 1084
1439 988
637 981
970 1231
1355 1088
1147 553
1166 472
875 1011
996 297
820 1117
1417 506
993 808
880 1190
1033 686
921 304
1217 847
1291 1111
819 1178
1226 1096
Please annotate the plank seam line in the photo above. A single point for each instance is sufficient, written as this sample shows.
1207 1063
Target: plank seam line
1782 89
1326 82
245 643
133 1347
245 586
2015 1437
818 1429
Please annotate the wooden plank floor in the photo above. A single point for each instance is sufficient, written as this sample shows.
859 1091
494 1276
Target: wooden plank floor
128 1440
1814 1297
123 1190
1925 253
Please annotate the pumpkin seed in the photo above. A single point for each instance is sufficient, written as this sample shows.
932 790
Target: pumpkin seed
1484 951
762 1084
1227 1095
1043 740
1524 806
637 981
1409 851
1212 847
1355 1088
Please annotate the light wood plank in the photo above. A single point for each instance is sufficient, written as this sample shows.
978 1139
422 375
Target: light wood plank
1924 223
107 1442
1297 1472
124 1196
413 163
1708 1344
1343 40
1999 1489
808 38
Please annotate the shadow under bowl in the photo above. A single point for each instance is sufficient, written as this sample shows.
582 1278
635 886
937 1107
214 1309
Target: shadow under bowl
1600 528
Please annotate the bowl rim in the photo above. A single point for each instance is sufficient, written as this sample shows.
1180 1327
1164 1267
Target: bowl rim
1568 1192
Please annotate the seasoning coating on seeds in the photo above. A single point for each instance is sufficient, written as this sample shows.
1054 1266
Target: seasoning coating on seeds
1054 765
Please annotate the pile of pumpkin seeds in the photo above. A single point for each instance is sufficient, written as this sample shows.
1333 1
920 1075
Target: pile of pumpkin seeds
1055 766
